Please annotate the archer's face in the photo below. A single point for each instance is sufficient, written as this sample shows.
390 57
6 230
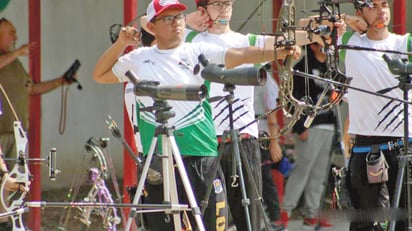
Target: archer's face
220 10
168 28
378 16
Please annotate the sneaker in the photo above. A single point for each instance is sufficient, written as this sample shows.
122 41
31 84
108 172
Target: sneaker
282 223
310 224
277 227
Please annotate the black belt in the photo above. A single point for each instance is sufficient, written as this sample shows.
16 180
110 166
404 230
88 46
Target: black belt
383 147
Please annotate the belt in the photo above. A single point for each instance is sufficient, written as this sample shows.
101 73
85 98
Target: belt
243 136
383 147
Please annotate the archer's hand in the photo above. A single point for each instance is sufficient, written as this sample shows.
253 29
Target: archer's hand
24 49
198 20
275 151
129 36
284 52
69 81
304 135
357 23
12 185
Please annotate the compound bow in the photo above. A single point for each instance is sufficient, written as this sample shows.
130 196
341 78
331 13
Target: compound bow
98 193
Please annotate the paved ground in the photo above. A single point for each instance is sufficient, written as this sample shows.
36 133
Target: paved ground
296 225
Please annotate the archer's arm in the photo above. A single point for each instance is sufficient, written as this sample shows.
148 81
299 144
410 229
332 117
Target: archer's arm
9 57
103 70
250 55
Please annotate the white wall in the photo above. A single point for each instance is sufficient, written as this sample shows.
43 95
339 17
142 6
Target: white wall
80 29
74 29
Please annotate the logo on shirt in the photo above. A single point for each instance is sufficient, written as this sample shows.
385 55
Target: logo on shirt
148 61
391 116
167 2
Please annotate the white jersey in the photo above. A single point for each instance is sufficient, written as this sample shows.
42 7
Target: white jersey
265 100
193 123
373 115
130 104
243 104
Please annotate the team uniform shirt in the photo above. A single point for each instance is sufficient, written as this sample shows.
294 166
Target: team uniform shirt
265 100
193 124
372 115
130 103
243 104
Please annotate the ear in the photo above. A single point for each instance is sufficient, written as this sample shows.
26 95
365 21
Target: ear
312 46
202 9
150 28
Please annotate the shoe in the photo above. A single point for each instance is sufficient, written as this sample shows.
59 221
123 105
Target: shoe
310 224
282 223
277 227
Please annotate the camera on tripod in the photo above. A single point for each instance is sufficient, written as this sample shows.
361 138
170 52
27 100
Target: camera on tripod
171 92
251 76
398 66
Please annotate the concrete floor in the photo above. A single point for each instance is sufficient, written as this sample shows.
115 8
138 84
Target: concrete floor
296 225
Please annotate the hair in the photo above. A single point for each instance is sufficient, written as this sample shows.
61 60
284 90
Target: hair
203 3
146 38
358 4
3 19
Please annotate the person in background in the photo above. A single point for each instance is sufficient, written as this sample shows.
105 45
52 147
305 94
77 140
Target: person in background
312 145
265 100
19 87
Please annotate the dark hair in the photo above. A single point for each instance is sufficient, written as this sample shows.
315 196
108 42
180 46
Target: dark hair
146 38
3 19
358 4
203 3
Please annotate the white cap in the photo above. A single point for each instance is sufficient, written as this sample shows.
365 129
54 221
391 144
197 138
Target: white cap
156 7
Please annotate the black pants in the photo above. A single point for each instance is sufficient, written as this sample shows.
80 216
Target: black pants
269 190
365 196
201 174
250 148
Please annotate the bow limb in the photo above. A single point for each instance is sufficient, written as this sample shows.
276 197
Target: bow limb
329 13
19 174
91 146
99 191
285 36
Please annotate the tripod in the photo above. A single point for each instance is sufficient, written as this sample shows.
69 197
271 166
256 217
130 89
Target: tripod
405 157
238 156
170 152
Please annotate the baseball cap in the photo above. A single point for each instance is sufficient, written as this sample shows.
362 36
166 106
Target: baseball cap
156 7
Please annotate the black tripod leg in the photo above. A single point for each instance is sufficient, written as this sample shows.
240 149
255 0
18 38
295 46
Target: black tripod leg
255 187
398 187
